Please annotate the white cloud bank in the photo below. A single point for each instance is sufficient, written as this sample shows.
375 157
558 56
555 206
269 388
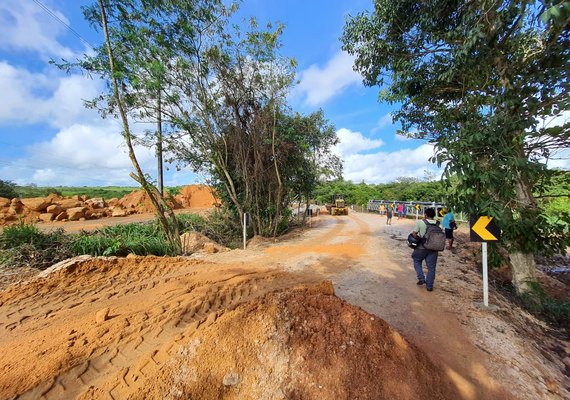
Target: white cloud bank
78 155
381 167
318 85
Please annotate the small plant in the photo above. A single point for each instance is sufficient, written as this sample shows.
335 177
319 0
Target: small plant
539 303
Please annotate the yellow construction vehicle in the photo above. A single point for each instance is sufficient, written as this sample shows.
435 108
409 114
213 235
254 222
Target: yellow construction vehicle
338 206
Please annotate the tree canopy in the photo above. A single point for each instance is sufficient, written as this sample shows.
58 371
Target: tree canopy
220 90
481 80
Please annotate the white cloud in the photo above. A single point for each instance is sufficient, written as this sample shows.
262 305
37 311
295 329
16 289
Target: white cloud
78 155
50 98
318 85
354 142
380 166
25 26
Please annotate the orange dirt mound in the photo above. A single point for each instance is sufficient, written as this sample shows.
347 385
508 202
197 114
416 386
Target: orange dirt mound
159 327
300 344
197 196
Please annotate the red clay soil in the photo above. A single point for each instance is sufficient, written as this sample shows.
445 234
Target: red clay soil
261 324
159 328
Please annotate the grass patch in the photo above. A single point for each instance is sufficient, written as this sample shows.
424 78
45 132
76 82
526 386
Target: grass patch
25 244
121 240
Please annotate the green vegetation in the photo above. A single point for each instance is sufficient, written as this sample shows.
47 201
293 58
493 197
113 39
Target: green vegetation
106 192
8 189
121 240
482 81
539 303
405 189
25 244
240 132
218 226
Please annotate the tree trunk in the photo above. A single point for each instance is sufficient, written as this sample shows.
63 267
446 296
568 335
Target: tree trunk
524 270
523 264
164 213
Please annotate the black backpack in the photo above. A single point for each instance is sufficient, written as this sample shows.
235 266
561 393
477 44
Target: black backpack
434 239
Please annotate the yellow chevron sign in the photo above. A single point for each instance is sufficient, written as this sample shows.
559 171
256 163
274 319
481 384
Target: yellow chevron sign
484 229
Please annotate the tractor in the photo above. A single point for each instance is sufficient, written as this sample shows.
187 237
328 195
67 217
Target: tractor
338 206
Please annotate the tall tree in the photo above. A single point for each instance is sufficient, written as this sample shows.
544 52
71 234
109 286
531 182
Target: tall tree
232 86
478 78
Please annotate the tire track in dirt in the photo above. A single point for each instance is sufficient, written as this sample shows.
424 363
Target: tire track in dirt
154 306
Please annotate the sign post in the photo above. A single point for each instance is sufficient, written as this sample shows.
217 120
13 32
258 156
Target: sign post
417 211
245 224
483 229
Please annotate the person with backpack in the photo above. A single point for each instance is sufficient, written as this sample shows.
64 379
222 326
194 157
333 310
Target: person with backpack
449 225
431 241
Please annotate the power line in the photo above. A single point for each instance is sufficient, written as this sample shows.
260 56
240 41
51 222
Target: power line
54 16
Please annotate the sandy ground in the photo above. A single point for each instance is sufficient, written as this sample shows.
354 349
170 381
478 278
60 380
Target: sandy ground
89 225
228 325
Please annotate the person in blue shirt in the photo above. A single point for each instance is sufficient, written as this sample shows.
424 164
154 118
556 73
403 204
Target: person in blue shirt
449 225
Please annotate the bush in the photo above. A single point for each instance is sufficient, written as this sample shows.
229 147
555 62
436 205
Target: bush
25 244
121 240
218 226
8 189
540 304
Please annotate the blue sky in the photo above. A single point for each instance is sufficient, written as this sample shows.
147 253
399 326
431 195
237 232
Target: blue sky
48 138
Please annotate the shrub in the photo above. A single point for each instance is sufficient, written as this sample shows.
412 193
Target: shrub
25 244
539 303
218 226
8 189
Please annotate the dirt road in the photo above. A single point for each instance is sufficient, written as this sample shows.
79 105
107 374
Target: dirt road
113 328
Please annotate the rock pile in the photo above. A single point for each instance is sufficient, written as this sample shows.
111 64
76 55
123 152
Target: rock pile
80 208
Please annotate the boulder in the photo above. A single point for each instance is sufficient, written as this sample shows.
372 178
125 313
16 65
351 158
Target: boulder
119 212
96 214
76 213
61 216
113 202
96 203
4 202
54 198
69 203
46 217
55 209
36 203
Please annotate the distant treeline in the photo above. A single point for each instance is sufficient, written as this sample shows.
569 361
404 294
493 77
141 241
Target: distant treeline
405 189
10 190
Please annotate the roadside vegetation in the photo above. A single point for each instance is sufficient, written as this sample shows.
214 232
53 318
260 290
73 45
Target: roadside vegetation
25 245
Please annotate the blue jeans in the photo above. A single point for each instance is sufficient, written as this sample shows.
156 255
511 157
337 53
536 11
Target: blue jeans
419 255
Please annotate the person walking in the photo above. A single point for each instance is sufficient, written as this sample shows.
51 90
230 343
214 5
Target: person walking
400 209
449 225
389 212
420 253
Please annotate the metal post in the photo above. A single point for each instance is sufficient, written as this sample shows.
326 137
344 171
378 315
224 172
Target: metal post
485 276
417 214
244 229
